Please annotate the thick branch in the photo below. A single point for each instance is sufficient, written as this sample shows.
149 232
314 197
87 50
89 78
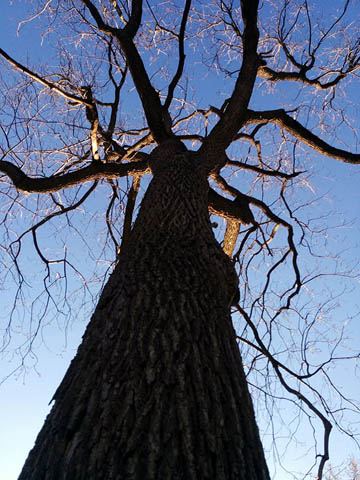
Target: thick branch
154 112
132 26
95 171
281 118
234 111
269 74
231 234
226 208
150 99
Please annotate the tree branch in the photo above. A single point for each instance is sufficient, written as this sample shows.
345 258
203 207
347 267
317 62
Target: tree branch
37 78
154 112
93 118
262 171
295 128
226 208
277 365
270 74
95 171
231 234
234 110
180 67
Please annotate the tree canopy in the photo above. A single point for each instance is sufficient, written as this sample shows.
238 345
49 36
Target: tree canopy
266 96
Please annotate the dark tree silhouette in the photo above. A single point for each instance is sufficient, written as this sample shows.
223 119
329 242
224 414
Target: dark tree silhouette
157 389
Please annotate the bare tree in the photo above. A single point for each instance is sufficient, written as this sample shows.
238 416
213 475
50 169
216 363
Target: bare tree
157 388
350 471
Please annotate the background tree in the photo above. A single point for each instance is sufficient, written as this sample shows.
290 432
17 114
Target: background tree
350 471
157 385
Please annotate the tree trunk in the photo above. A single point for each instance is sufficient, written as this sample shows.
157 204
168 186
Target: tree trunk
157 389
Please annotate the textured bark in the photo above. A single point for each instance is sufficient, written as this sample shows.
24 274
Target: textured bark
157 389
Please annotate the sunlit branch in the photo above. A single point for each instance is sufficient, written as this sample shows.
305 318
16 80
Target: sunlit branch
119 12
93 118
270 74
132 151
295 128
42 81
224 207
306 66
195 138
204 113
230 237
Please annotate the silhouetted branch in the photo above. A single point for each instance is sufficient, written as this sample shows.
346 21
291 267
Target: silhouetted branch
155 115
95 171
234 110
181 63
262 171
295 128
277 366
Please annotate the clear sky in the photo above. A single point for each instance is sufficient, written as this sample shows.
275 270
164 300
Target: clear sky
25 395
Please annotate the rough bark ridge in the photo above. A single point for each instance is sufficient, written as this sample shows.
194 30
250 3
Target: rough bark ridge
157 390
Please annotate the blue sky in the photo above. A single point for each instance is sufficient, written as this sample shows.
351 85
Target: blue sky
25 395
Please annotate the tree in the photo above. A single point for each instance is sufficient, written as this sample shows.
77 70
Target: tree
351 470
157 388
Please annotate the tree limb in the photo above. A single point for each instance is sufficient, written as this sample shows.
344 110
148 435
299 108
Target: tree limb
244 214
262 171
234 110
295 128
270 74
95 171
231 234
154 112
296 392
37 78
226 208
180 67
